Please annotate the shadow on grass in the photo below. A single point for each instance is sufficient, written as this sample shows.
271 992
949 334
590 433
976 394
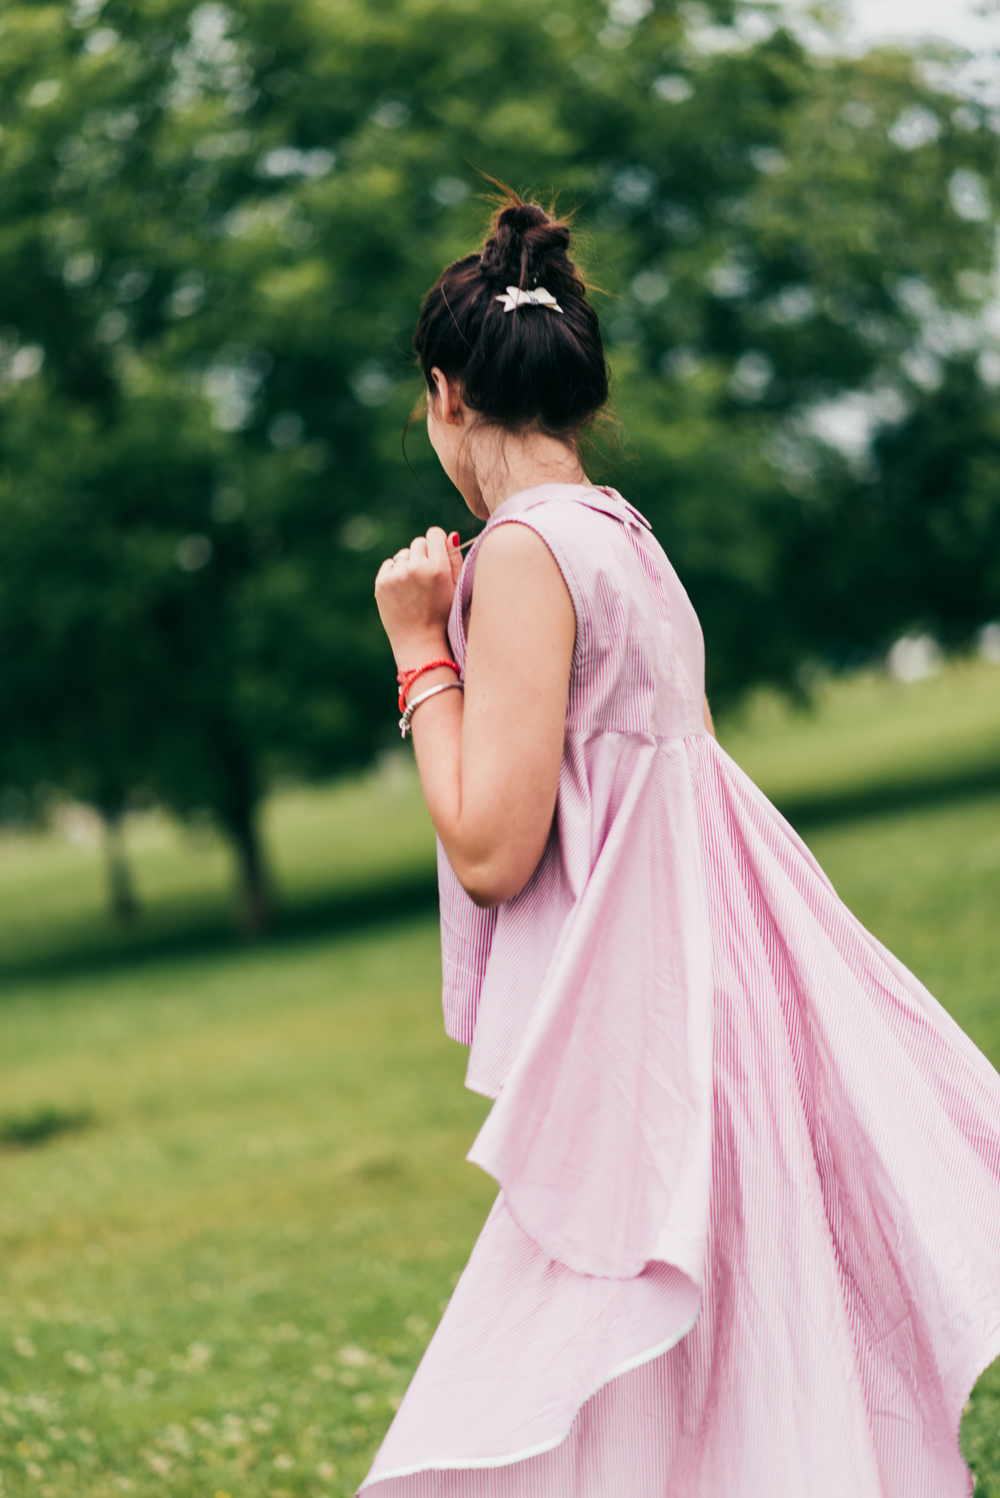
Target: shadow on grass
29 1130
187 931
915 793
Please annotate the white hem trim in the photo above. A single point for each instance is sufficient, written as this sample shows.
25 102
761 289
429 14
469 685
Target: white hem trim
440 1465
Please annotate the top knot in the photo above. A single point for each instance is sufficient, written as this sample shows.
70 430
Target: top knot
526 246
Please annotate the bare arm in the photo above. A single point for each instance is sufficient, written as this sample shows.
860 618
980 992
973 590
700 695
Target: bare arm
489 764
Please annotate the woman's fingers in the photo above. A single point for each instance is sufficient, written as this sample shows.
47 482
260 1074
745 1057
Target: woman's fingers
455 557
437 549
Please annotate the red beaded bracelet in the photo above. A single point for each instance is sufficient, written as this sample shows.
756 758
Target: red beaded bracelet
407 678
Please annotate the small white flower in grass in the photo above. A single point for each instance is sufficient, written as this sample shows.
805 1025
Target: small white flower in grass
356 1357
79 1362
417 1325
260 1426
364 1401
326 1471
323 1371
24 1347
284 1462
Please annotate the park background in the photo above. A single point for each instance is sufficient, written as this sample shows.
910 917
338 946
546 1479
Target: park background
231 1131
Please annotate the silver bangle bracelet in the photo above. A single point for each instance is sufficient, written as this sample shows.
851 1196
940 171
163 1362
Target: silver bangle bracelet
446 686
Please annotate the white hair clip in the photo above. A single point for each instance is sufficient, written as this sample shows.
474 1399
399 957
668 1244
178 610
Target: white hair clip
538 298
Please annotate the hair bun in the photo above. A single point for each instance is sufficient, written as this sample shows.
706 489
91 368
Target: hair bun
526 245
521 369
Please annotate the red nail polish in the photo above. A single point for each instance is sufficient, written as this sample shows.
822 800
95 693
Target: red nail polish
453 538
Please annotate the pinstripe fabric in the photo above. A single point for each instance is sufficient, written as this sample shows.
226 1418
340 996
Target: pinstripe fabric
747 1242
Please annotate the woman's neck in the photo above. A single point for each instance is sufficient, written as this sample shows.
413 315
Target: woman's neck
506 465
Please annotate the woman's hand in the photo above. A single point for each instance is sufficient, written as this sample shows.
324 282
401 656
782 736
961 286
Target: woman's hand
414 591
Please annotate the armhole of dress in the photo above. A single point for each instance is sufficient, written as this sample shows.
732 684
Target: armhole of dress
565 570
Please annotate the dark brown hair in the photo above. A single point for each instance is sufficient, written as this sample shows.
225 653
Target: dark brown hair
530 368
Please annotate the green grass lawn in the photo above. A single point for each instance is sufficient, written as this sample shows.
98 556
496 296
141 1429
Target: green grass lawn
220 1280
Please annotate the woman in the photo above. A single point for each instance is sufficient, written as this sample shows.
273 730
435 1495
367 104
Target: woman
747 1241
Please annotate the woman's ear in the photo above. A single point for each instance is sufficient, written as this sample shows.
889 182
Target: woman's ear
448 398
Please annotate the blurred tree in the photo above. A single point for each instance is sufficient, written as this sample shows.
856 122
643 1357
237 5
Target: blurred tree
215 227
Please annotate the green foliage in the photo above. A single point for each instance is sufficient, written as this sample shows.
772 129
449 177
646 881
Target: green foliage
216 224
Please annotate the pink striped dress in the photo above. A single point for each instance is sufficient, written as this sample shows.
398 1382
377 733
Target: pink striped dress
747 1239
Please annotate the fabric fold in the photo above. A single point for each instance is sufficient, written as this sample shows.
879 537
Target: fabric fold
601 1136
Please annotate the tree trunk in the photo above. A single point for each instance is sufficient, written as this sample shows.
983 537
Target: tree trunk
256 907
121 890
237 810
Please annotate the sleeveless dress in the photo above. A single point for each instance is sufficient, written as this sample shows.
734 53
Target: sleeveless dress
747 1241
